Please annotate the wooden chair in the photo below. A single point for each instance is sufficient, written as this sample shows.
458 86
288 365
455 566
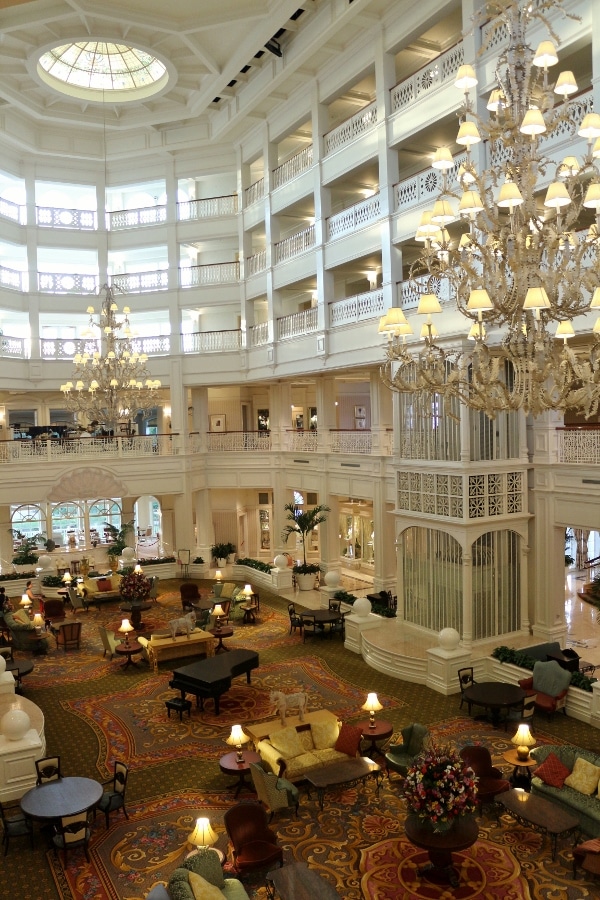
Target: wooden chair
67 635
465 680
254 844
490 780
295 620
14 824
523 713
72 832
48 769
189 595
309 626
114 798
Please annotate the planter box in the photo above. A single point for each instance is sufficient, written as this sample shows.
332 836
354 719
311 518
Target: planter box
163 570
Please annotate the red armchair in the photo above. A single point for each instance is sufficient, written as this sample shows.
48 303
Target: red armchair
550 682
490 781
254 844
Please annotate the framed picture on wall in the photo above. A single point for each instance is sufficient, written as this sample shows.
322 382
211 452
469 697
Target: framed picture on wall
360 424
217 422
360 412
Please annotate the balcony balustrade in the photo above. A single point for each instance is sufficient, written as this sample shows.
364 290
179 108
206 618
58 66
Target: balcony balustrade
239 441
346 441
259 334
90 448
351 129
12 346
254 193
578 445
295 245
303 322
13 279
122 219
356 309
211 341
437 72
424 187
410 294
141 282
216 273
159 345
207 208
256 263
301 441
354 217
293 167
13 211
76 219
67 348
67 283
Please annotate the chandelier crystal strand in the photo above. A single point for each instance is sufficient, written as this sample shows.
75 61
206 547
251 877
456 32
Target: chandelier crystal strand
111 383
516 245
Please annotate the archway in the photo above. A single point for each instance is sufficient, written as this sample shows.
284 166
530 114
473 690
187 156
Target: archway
147 515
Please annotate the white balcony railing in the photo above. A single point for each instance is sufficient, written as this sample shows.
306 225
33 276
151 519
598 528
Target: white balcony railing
410 294
121 219
217 273
76 219
256 263
91 448
351 441
259 334
293 167
354 217
13 279
303 322
298 243
436 73
354 309
351 129
239 441
211 341
66 348
301 441
13 211
12 346
67 283
255 192
159 345
142 282
207 208
579 445
425 186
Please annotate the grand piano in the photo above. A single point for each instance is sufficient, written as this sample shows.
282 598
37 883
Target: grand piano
212 677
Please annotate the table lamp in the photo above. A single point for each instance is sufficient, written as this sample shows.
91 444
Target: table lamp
38 621
218 585
25 602
218 611
236 739
203 836
523 740
372 706
66 579
137 569
247 592
125 628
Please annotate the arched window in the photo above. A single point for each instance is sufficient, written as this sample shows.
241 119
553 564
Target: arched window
496 584
29 519
101 512
432 579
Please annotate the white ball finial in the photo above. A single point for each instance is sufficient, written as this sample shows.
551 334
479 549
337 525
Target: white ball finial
449 639
362 608
128 553
15 724
280 561
332 578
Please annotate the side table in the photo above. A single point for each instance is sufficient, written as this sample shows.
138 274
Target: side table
225 631
380 732
230 765
521 776
129 650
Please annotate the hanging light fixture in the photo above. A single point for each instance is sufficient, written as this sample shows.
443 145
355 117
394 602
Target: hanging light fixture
523 259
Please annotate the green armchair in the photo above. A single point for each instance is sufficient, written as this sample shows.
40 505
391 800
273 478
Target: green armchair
21 628
401 756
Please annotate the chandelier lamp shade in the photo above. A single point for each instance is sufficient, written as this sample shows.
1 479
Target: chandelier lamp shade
111 382
512 241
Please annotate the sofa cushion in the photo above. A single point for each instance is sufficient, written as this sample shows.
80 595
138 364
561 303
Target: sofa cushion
584 777
115 582
552 771
203 889
306 739
206 864
349 739
179 885
22 617
227 590
325 734
287 742
298 765
550 678
90 586
104 584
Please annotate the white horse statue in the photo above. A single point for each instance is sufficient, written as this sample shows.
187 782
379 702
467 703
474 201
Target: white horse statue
185 624
285 702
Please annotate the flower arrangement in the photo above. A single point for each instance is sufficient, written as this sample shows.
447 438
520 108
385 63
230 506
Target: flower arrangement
135 587
439 786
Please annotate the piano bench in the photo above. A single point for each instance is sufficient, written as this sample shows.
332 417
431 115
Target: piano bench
178 704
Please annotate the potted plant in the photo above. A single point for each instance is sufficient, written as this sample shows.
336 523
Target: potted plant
118 542
302 523
26 552
220 553
230 553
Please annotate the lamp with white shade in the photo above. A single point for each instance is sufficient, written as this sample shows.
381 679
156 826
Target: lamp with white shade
523 740
372 705
38 621
125 628
236 739
203 836
25 602
218 613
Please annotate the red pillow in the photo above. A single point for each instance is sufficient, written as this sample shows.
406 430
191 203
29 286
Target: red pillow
349 740
552 771
103 584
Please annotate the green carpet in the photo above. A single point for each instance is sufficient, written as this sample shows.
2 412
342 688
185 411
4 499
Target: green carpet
54 688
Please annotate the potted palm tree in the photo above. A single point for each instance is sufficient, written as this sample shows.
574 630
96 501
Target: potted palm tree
220 553
302 523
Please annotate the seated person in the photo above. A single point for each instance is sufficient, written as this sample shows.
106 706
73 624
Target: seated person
19 625
5 602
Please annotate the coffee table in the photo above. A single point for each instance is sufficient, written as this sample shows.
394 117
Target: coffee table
440 846
348 771
298 882
129 650
381 731
539 813
224 631
230 765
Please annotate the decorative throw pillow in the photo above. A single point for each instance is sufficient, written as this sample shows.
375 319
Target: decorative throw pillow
348 739
287 741
179 886
203 889
584 777
552 771
104 584
90 586
208 865
227 590
115 582
22 617
325 734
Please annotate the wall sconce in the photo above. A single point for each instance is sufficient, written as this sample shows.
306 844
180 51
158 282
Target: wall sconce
236 739
372 278
372 706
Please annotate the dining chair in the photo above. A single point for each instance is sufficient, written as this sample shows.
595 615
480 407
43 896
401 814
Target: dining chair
335 605
114 798
465 680
14 825
72 832
309 626
68 635
522 713
295 620
48 769
254 844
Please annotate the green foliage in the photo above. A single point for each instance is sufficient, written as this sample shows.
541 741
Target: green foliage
303 522
52 581
198 561
158 560
581 681
306 569
345 597
15 576
118 537
518 658
26 552
221 551
383 611
255 564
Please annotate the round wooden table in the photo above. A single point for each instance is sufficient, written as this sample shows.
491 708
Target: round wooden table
19 668
129 649
381 731
521 776
230 765
224 631
63 797
136 610
494 696
440 846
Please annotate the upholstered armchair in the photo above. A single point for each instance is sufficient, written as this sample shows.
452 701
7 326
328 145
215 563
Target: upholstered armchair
109 641
67 635
273 792
254 844
401 756
21 627
550 682
490 780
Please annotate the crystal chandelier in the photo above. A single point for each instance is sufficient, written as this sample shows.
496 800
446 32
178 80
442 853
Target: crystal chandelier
515 245
112 382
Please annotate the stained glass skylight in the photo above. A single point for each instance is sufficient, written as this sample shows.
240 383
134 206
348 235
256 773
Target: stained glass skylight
98 66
